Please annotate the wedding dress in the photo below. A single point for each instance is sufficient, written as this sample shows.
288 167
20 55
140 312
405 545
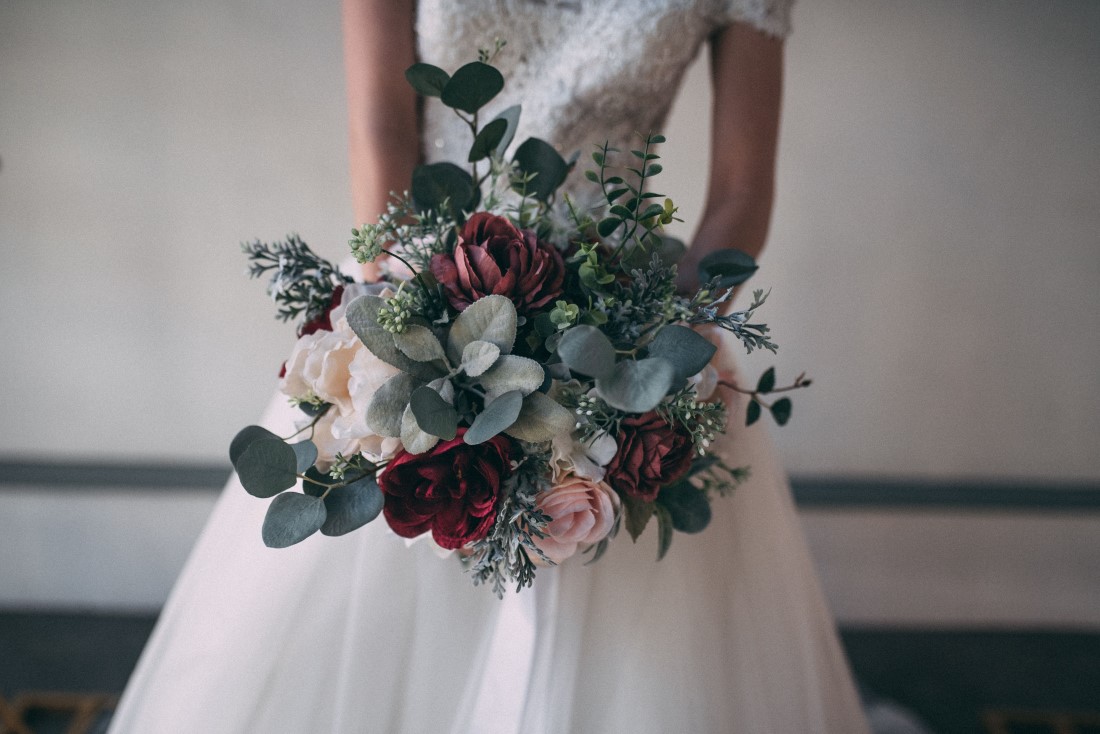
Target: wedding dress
729 633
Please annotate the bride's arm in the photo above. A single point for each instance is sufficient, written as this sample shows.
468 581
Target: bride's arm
747 82
383 125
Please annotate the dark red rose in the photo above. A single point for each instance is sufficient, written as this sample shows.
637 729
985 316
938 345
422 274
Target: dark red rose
494 257
323 320
651 455
452 490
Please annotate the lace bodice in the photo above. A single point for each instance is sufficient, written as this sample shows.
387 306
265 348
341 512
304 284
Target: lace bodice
585 71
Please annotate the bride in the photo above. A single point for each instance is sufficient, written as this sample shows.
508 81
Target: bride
360 633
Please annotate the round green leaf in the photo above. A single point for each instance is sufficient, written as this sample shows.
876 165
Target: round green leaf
688 351
496 417
472 86
587 350
433 414
291 518
687 507
244 438
637 386
435 183
351 507
267 467
487 140
781 411
492 319
538 157
731 267
306 454
426 79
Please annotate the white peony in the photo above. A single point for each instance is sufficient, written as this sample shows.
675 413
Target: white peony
584 459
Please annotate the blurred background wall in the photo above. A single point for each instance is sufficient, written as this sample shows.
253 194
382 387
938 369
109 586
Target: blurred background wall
934 265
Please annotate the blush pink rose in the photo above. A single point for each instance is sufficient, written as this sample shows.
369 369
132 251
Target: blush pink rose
582 512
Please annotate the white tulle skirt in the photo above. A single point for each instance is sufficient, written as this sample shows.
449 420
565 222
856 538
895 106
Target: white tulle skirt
729 633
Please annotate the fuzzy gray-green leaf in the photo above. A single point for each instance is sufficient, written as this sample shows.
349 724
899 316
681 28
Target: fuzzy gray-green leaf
388 404
433 414
413 438
492 319
362 316
478 356
541 419
512 373
419 343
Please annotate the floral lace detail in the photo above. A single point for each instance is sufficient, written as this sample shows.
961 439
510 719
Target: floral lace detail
584 70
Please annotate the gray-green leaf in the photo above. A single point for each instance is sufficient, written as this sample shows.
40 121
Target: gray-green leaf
487 140
362 316
492 319
244 438
413 438
731 267
433 414
511 116
351 507
664 530
512 373
637 386
478 356
419 343
497 416
291 518
587 350
306 454
426 79
472 86
687 505
267 466
688 351
388 404
541 419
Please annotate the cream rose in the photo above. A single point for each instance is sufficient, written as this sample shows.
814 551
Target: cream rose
336 367
582 512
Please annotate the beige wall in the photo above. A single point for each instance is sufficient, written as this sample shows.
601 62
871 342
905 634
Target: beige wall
934 258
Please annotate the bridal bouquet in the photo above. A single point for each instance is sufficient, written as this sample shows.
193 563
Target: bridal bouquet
525 381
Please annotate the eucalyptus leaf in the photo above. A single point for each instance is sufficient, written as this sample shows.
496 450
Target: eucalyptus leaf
487 140
781 411
587 350
668 249
267 466
636 514
687 505
478 356
244 438
362 316
436 183
753 413
433 414
608 225
291 518
687 350
492 319
413 438
316 482
637 386
534 156
426 79
388 404
541 419
498 415
472 86
512 373
664 530
766 382
351 507
419 343
731 267
306 454
511 116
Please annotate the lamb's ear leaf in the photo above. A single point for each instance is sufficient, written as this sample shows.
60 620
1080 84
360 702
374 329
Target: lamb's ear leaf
388 404
541 419
291 518
362 316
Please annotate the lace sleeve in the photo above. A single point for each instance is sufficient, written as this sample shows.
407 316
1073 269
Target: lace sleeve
770 16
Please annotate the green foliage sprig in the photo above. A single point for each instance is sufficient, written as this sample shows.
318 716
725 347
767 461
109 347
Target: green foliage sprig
302 282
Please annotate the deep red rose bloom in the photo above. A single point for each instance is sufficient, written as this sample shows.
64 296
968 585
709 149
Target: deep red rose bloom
323 320
651 455
494 257
452 490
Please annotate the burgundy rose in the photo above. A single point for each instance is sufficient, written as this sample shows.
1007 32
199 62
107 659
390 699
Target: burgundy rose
452 490
651 455
323 320
494 257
